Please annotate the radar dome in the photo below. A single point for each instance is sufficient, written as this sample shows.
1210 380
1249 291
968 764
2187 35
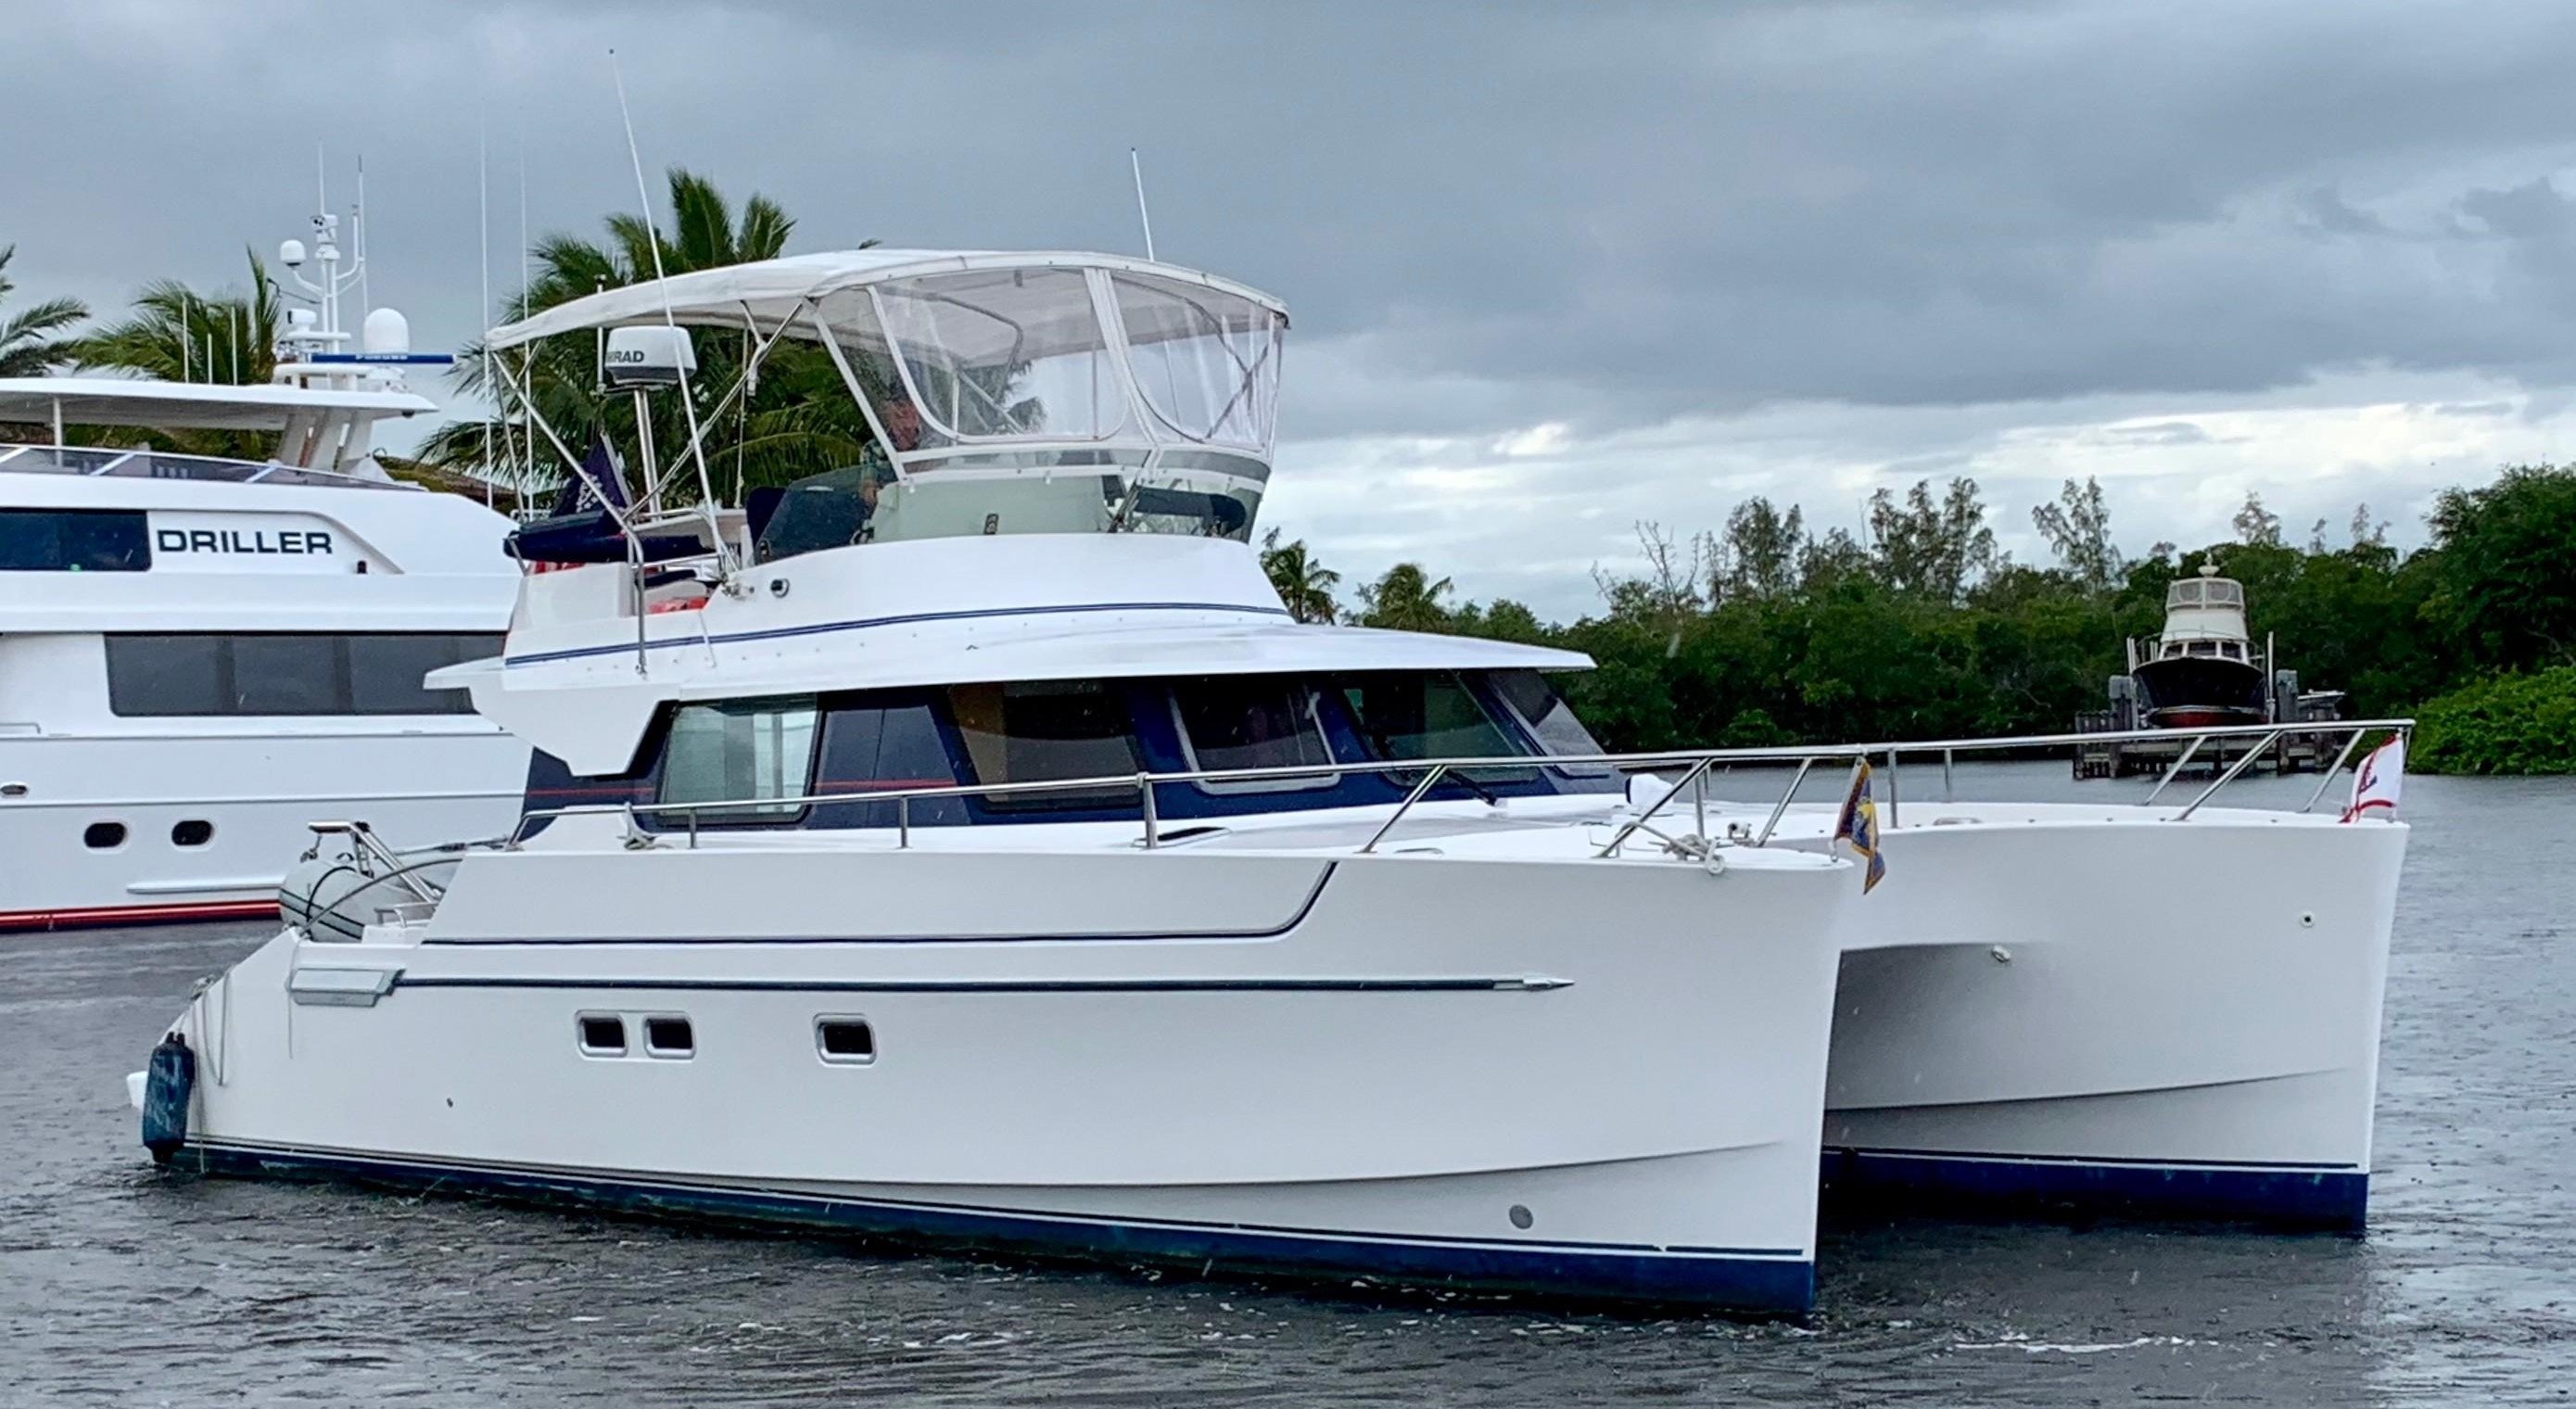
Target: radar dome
385 331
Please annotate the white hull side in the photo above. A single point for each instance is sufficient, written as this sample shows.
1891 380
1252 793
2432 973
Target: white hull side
2181 1017
1371 1066
258 790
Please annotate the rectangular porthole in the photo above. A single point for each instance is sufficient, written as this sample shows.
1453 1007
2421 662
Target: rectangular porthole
844 1040
669 1035
602 1034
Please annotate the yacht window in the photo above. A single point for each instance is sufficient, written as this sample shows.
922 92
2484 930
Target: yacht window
1427 714
741 751
282 673
1549 719
1035 730
1251 721
288 675
74 540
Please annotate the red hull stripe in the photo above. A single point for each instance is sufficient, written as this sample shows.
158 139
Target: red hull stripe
135 914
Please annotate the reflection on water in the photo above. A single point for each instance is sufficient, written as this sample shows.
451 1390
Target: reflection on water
119 1286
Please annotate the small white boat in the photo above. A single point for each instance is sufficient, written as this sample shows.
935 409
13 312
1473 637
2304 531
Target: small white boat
200 655
1003 867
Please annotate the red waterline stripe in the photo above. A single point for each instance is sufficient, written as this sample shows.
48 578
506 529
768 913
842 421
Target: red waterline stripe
135 914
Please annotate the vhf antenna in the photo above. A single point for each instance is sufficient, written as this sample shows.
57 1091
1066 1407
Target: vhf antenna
1136 164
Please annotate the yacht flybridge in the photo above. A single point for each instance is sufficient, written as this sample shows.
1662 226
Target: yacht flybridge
200 654
965 847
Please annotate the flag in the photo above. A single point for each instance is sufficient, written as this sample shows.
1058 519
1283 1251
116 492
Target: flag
601 479
1858 825
2376 782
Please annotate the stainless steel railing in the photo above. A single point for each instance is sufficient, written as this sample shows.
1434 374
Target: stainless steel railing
1694 781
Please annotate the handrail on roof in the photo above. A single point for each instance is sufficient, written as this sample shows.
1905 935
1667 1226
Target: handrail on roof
1701 761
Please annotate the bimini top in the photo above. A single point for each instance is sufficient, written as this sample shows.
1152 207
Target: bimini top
763 294
1011 392
137 401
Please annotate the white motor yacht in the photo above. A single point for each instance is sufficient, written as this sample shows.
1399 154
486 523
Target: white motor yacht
200 655
970 850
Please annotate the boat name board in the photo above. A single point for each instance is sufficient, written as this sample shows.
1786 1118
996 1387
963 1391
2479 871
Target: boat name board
245 543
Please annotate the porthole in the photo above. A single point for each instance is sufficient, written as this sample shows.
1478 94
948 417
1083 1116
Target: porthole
194 831
845 1040
602 1034
669 1036
103 836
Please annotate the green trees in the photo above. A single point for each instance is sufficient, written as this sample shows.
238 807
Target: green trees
29 345
1763 633
799 420
1405 599
2504 580
1304 585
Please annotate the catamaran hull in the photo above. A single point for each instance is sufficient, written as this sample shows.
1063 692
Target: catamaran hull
2168 1018
1594 1081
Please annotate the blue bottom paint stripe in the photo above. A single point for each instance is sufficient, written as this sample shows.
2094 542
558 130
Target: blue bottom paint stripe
2301 1196
1721 1280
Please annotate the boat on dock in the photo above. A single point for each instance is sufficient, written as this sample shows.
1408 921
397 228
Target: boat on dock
998 865
2204 671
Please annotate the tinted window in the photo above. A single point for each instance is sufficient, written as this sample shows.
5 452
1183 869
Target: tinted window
885 742
74 540
1250 721
279 673
1032 731
168 675
1545 714
739 750
289 675
1423 714
385 671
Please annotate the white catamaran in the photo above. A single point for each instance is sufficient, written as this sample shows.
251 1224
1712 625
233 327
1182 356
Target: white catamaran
968 848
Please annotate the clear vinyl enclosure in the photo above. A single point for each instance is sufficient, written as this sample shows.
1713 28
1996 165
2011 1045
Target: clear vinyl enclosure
1046 399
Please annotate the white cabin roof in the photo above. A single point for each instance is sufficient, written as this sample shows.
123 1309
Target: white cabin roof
139 401
765 292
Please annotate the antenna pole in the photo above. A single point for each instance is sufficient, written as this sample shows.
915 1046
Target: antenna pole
1136 164
358 217
688 404
483 242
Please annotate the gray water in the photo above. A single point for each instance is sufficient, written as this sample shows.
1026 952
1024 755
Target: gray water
120 1285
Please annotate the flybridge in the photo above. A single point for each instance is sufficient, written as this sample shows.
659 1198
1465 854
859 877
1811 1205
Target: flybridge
1003 393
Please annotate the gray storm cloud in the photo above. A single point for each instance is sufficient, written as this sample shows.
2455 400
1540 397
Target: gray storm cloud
1485 217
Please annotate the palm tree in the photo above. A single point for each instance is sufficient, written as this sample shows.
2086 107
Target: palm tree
1305 585
177 333
1406 599
799 421
27 345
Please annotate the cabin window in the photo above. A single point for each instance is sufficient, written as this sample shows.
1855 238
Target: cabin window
669 1035
287 674
1427 714
602 1034
1251 721
1035 730
845 1041
739 751
74 540
1548 718
885 742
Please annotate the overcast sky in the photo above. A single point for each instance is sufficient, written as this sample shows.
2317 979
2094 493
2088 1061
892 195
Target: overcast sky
1553 269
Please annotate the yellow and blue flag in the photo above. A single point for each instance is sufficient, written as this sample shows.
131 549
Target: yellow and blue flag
1858 825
